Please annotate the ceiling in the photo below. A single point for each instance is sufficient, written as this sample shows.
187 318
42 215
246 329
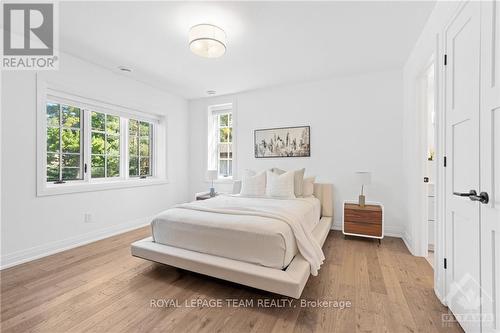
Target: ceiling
269 43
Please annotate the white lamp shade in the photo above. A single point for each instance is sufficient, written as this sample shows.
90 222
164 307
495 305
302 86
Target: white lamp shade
212 174
207 40
364 178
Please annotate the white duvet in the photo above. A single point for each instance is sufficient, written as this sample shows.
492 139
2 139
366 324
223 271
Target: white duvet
290 211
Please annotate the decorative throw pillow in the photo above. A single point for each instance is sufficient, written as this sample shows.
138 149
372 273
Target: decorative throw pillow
297 182
280 186
308 188
253 184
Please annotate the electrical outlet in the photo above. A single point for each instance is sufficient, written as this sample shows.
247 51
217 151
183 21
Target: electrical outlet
87 218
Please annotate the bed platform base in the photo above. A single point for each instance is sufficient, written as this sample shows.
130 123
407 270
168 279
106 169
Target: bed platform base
289 282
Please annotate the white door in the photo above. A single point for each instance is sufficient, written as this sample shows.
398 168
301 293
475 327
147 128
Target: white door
462 47
490 164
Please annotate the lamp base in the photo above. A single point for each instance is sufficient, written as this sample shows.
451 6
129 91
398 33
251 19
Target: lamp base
212 192
361 200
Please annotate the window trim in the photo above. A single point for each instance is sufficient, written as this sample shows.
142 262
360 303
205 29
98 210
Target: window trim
46 92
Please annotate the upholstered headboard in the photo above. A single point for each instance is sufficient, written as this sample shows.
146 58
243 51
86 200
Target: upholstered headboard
322 191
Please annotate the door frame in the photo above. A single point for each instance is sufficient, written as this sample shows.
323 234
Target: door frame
420 231
422 152
490 213
440 286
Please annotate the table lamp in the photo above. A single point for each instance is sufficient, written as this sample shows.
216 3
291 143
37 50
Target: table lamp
212 175
364 178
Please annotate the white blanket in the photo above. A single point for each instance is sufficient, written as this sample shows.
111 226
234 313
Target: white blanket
290 211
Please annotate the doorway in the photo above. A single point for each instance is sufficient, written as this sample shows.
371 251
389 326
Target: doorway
428 86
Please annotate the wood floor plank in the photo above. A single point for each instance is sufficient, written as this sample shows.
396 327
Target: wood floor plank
55 311
99 287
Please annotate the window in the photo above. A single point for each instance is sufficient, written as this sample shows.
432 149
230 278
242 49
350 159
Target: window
225 145
64 143
105 142
139 145
90 144
220 140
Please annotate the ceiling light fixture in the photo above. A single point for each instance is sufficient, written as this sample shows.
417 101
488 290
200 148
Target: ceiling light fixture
211 92
207 40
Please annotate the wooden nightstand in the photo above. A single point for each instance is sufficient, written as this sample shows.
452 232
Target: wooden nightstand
365 221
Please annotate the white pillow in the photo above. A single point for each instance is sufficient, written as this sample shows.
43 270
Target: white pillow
280 186
298 180
308 187
252 184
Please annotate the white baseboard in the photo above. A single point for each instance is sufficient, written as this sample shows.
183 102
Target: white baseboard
407 240
439 296
40 251
389 230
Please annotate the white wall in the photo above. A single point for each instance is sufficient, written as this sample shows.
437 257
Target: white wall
356 124
33 226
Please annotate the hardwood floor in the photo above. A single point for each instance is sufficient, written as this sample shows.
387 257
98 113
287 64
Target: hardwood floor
100 287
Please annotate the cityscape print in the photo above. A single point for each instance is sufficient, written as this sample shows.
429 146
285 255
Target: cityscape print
282 142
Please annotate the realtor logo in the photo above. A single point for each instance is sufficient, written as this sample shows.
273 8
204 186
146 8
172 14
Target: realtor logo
29 36
466 294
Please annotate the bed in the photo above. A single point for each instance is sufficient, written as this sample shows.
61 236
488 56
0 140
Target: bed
243 240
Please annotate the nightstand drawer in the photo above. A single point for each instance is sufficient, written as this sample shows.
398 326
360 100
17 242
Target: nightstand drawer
368 229
368 214
367 221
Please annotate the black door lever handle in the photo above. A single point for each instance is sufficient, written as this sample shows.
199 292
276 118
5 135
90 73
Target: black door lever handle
467 194
482 197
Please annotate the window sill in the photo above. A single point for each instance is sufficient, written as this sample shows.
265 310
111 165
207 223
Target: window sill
221 181
48 189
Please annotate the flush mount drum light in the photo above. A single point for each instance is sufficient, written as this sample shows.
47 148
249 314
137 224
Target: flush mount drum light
207 40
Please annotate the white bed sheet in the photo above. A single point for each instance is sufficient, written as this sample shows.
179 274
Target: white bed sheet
260 240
